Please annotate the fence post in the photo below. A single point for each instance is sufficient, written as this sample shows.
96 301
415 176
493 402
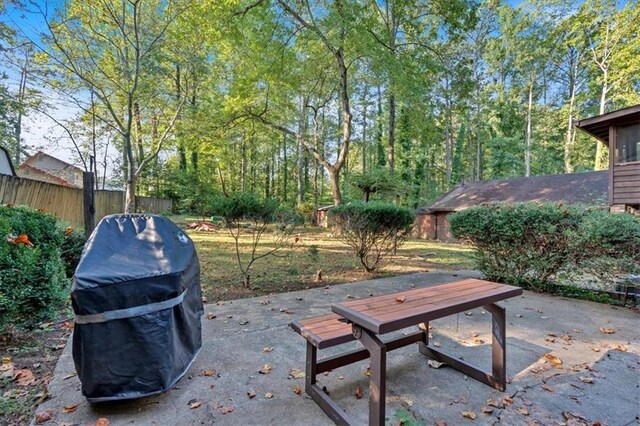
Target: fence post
88 203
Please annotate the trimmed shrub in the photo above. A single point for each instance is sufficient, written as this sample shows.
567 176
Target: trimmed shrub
523 244
71 249
528 244
373 230
33 283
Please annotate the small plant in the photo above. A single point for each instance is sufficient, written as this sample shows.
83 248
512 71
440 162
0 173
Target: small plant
374 230
244 208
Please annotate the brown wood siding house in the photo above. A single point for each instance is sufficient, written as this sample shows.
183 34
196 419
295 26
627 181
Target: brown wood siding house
620 131
572 188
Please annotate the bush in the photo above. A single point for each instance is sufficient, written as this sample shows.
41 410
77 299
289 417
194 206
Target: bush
33 284
244 207
71 249
373 230
307 211
528 244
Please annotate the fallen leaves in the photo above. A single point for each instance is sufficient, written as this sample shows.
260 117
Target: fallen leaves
209 372
268 395
226 410
619 347
102 421
494 403
266 369
267 349
211 315
20 239
506 400
297 390
44 416
69 376
586 379
251 393
194 403
435 364
358 392
400 299
69 408
606 330
24 377
547 387
295 373
469 415
523 411
553 360
487 410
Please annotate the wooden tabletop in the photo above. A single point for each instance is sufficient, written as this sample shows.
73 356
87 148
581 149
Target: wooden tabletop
390 312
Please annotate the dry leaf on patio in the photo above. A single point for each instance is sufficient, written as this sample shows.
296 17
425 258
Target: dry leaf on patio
367 372
621 348
506 400
436 344
251 393
295 373
194 404
209 372
226 410
24 377
468 313
487 410
340 377
266 369
494 403
554 360
478 341
297 390
68 376
401 299
69 408
547 387
585 379
441 423
593 348
267 349
523 411
607 330
268 395
211 315
44 416
102 421
550 339
469 414
358 393
435 364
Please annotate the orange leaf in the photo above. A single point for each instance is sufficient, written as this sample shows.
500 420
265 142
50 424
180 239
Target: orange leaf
468 414
268 395
266 369
44 416
487 410
102 421
507 400
23 239
24 377
195 404
586 379
209 372
358 393
401 299
554 360
69 408
226 410
251 393
68 231
297 390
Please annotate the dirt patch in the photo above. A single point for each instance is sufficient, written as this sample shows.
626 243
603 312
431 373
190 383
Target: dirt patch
28 359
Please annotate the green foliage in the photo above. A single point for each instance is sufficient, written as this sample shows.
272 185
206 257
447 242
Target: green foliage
307 211
246 208
528 244
71 249
376 181
374 230
33 284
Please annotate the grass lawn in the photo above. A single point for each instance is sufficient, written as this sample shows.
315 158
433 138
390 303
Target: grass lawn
296 268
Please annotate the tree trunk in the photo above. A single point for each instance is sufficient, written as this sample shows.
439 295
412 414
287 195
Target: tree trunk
391 156
364 128
300 154
568 167
244 162
285 174
334 181
22 92
599 161
527 151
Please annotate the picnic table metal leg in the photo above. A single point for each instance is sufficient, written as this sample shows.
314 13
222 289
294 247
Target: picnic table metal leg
498 346
311 366
424 327
378 378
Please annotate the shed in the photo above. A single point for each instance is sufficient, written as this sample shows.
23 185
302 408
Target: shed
571 188
322 216
620 131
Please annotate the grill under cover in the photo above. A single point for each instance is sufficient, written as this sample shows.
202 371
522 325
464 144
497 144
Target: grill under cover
137 303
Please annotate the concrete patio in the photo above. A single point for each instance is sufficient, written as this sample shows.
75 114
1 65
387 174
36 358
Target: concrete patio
597 381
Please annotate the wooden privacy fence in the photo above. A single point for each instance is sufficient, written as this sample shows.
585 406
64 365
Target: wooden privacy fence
66 203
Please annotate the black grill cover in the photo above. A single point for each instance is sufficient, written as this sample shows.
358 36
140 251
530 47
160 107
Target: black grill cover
137 303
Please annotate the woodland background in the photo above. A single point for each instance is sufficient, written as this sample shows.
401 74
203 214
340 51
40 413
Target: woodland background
313 102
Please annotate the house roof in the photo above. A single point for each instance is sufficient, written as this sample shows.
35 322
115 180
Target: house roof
587 188
598 126
28 172
60 164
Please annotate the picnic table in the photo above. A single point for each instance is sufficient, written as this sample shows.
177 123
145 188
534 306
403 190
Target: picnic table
367 319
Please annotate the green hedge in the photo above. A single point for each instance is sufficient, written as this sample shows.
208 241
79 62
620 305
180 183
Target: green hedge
33 277
528 244
374 230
